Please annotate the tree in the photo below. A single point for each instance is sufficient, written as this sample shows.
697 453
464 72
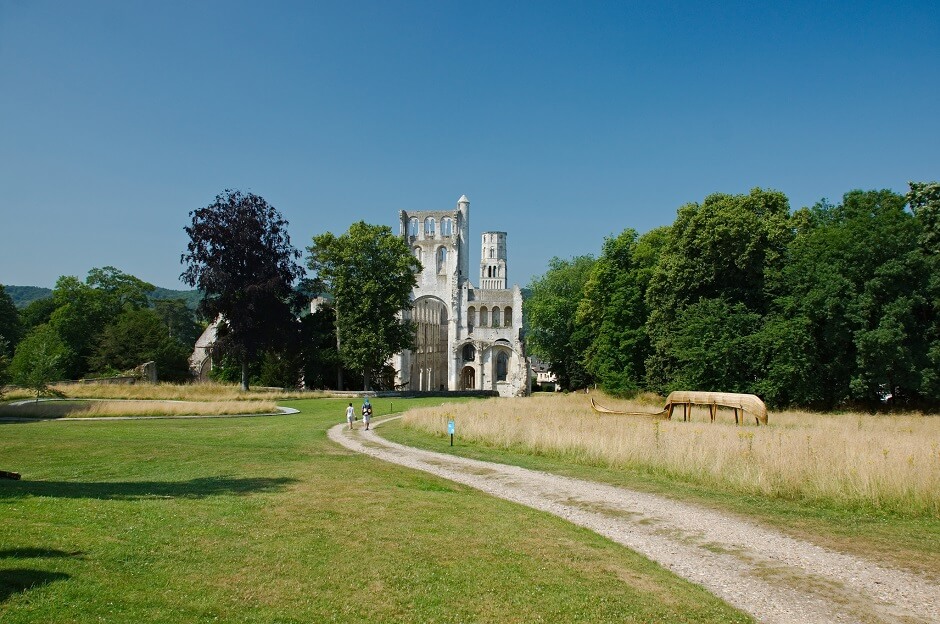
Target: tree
613 310
37 313
179 319
240 256
10 326
851 296
726 251
4 366
139 336
924 200
551 309
320 362
39 360
119 291
370 274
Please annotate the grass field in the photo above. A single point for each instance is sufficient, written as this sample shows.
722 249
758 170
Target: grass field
858 483
265 520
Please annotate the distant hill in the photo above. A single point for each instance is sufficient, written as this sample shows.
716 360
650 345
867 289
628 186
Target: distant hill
24 295
191 297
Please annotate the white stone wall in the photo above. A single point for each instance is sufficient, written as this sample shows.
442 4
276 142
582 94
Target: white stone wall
451 285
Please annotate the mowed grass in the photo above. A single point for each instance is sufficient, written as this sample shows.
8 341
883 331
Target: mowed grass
864 484
265 520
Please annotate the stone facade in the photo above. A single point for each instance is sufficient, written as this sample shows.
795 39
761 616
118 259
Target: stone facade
468 338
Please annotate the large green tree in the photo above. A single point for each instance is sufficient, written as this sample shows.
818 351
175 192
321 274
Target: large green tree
10 326
722 255
613 310
179 319
553 333
84 309
846 322
370 274
4 366
39 360
138 336
239 255
924 200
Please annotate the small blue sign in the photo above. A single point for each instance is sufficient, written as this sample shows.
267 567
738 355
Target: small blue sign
450 427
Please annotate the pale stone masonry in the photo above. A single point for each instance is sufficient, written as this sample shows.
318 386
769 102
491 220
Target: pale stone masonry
468 338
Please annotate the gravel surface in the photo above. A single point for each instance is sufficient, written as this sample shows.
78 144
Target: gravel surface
773 577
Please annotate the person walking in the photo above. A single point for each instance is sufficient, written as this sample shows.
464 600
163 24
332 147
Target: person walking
350 415
366 413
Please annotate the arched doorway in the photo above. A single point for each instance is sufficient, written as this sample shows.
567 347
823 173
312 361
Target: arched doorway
468 378
429 358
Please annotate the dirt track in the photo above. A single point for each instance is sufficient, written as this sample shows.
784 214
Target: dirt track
773 577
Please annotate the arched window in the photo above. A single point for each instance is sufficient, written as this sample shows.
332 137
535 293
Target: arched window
471 318
442 259
495 317
469 353
429 227
492 252
483 316
447 226
507 317
413 227
417 251
502 366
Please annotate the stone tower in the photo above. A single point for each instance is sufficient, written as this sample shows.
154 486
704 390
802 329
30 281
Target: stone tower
467 338
493 261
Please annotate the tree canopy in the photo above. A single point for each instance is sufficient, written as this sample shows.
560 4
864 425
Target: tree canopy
91 320
239 255
825 306
551 312
370 274
39 360
10 324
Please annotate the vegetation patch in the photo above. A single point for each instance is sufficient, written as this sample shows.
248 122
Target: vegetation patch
858 483
265 519
105 409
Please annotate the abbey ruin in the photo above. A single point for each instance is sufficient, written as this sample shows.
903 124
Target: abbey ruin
469 337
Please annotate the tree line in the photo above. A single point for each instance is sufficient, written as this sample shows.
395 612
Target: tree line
241 259
102 326
833 305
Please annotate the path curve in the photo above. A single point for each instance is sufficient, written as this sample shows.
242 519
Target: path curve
774 577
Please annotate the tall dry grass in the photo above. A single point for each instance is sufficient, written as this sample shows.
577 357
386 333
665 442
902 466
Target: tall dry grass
95 408
852 460
162 391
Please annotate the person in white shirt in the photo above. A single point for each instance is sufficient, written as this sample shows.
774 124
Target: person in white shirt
350 415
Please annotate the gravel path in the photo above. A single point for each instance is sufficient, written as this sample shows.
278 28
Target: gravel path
773 577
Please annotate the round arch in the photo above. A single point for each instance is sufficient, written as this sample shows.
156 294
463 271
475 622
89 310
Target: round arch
429 357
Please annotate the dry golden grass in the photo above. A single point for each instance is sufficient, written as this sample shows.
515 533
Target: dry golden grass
162 391
95 408
890 462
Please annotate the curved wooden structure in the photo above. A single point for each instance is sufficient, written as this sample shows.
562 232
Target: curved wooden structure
600 409
749 403
740 403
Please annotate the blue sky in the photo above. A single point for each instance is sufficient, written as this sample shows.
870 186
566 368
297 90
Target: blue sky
563 122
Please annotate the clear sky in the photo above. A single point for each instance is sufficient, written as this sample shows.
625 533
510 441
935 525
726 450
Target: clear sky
563 122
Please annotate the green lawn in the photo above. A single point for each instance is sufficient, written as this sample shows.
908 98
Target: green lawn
911 542
264 520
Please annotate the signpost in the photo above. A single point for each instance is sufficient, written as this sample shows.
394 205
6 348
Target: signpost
450 430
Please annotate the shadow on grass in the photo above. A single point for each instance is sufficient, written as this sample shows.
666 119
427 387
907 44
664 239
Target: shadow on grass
36 553
21 579
131 490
